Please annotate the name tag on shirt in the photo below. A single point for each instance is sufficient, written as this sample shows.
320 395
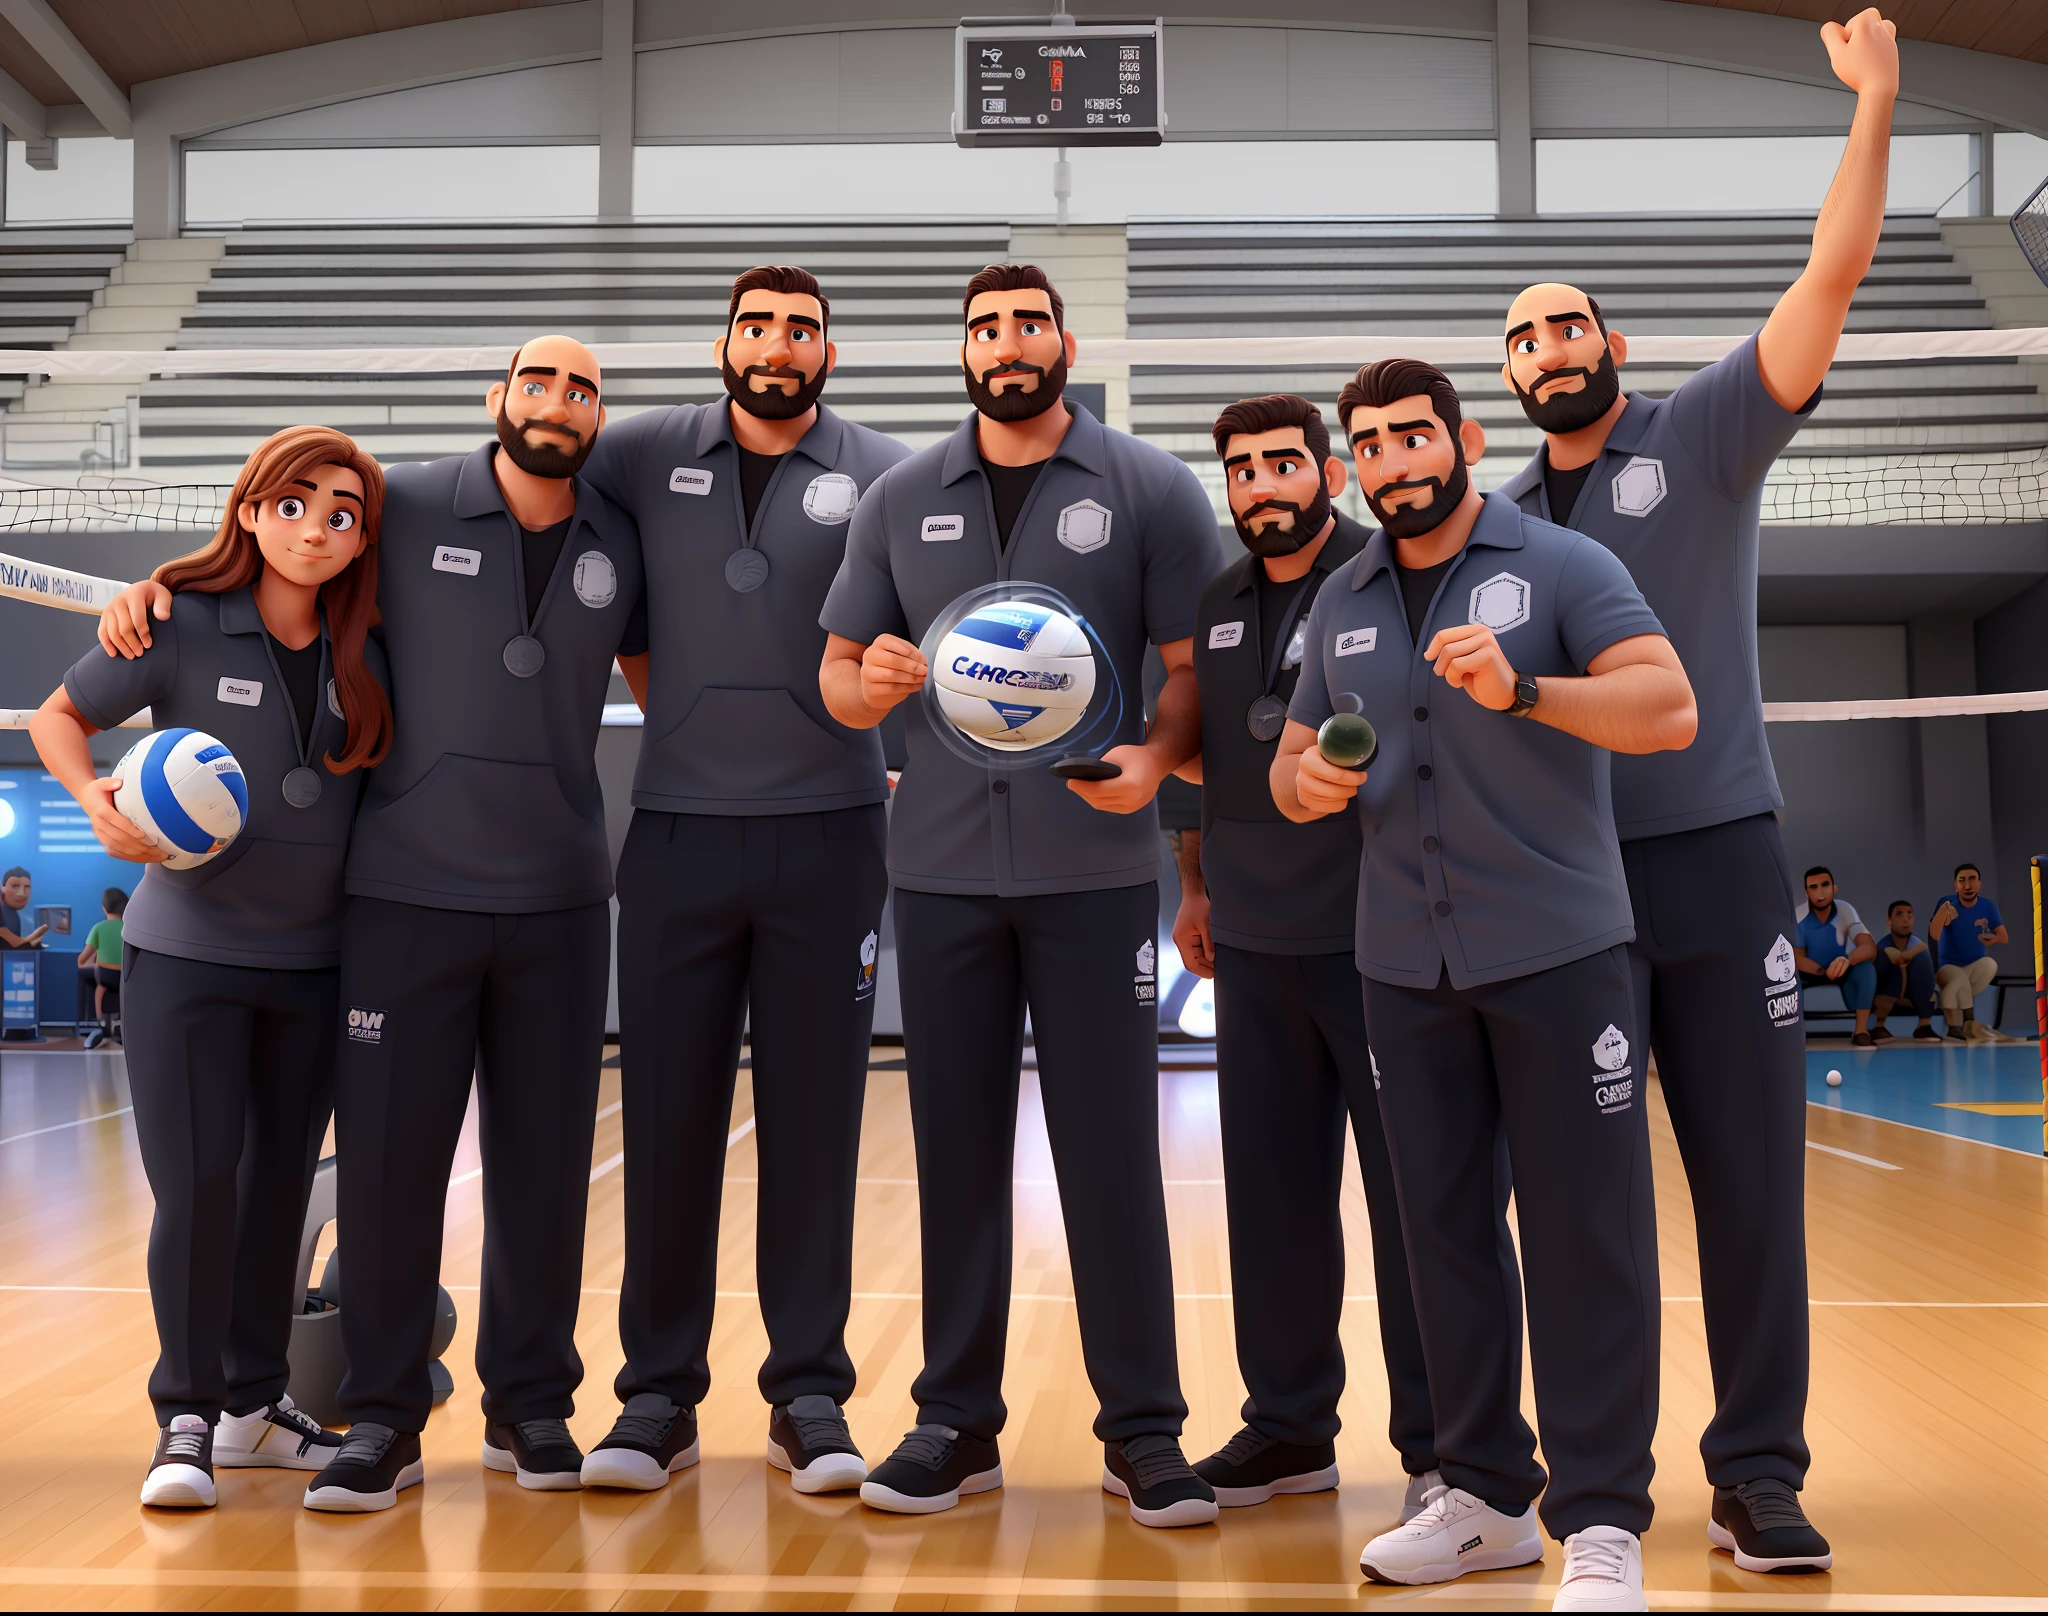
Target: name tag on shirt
465 562
938 528
242 692
1224 635
689 480
1357 640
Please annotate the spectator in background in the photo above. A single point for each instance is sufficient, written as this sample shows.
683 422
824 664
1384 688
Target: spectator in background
99 963
1962 928
1835 946
1905 975
14 897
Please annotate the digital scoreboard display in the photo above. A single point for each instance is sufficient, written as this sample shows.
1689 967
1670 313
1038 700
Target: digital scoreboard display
1020 85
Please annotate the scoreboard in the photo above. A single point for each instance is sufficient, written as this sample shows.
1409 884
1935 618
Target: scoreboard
1036 85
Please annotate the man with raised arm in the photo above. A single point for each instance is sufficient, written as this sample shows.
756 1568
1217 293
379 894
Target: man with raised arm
1673 486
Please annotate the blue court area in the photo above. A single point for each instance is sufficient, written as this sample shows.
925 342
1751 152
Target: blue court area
1986 1092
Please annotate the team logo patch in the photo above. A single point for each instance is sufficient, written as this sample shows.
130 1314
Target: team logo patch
864 981
1353 641
1615 1083
1610 1049
1501 603
830 498
1146 982
366 1026
1639 487
597 581
689 480
1084 526
938 529
242 692
1781 984
465 562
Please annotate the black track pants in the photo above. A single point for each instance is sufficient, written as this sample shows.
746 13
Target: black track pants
1532 1057
430 996
1084 963
1711 906
1291 1065
717 914
232 1074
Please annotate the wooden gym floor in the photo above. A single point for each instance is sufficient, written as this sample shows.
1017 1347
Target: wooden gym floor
1929 1418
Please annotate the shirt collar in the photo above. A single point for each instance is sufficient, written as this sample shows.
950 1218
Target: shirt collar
1086 445
239 613
1499 528
1625 438
820 443
477 492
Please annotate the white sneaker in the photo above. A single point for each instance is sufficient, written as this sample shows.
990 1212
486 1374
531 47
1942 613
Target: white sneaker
1603 1570
280 1437
181 1471
1454 1533
1419 1489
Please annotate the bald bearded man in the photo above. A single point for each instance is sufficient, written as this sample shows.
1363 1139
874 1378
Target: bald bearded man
1674 487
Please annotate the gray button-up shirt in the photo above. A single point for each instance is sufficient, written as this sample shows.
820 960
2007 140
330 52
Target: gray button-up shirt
1124 531
1677 494
489 798
1489 841
735 723
273 897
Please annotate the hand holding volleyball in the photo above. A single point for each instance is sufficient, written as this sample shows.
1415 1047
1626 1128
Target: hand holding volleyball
892 670
116 831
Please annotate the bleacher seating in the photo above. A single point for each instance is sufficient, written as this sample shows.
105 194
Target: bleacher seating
47 280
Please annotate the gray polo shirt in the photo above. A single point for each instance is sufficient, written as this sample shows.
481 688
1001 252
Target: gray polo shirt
735 722
1677 494
1124 531
273 897
489 798
1489 841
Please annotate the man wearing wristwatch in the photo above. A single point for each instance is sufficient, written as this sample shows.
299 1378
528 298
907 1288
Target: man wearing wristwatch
1492 914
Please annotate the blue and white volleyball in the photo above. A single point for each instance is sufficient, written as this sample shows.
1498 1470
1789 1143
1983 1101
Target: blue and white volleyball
1014 675
184 792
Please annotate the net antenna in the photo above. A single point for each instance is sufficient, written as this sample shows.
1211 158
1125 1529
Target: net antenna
2030 229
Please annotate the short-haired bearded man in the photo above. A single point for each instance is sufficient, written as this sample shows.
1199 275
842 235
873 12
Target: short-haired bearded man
1019 888
1673 487
1500 660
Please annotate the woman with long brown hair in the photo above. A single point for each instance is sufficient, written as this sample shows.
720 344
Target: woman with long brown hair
231 980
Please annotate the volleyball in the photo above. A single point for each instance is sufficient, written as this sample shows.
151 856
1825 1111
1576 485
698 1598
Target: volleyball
184 792
1014 675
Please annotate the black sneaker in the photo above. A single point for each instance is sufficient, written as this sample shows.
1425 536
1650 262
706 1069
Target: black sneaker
181 1472
1153 1473
932 1469
807 1436
541 1453
1927 1033
1762 1525
1252 1466
374 1465
649 1442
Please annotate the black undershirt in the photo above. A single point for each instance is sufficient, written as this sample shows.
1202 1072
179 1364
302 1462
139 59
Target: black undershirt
755 472
1274 599
1008 488
543 548
1563 487
300 671
1418 589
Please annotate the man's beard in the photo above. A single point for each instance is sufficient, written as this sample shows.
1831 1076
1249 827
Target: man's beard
1570 412
1275 541
1412 521
772 403
1016 404
544 459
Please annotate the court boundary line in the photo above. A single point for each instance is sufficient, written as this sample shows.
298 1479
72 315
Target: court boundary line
1935 1133
59 1127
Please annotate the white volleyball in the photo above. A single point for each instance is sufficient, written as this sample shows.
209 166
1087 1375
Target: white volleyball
184 792
1013 675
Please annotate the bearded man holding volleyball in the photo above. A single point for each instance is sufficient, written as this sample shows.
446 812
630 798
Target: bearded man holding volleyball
1018 888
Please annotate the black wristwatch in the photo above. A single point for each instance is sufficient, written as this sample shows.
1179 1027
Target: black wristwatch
1525 695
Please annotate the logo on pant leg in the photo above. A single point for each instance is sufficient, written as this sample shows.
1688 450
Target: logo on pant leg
1146 983
1781 984
1615 1082
366 1026
864 982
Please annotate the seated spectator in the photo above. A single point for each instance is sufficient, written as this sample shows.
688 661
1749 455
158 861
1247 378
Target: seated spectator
15 891
1905 976
1835 946
1961 929
100 960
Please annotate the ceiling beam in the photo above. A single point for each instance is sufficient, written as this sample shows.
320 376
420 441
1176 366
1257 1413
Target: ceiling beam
20 111
70 61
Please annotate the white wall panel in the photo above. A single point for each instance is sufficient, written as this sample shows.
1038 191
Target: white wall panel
535 106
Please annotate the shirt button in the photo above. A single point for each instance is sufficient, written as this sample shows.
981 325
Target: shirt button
1000 787
1422 715
1423 772
1443 908
1429 844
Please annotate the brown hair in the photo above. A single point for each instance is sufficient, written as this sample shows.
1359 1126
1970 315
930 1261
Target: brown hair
1270 414
1387 381
349 599
784 278
1015 278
